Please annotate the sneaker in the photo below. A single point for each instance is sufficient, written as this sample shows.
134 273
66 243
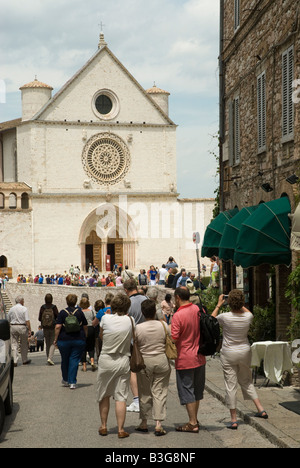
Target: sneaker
51 363
64 383
133 408
73 386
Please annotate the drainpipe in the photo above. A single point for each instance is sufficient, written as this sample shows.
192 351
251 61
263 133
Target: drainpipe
221 105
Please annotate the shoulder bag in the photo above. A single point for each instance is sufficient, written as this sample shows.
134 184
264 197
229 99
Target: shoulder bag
136 361
171 350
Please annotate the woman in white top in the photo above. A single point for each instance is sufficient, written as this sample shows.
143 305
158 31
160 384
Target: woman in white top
214 272
113 365
153 382
236 353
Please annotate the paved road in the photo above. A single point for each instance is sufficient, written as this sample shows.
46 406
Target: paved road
48 415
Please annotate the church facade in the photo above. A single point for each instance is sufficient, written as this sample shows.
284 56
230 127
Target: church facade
89 176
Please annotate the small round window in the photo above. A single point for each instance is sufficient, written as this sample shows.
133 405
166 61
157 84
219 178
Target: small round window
105 104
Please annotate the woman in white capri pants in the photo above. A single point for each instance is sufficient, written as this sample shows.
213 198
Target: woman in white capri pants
236 353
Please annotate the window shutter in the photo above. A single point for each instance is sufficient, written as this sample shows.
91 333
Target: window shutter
287 92
261 110
236 14
290 95
231 139
236 111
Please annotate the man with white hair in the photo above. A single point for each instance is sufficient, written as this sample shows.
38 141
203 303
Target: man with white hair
20 330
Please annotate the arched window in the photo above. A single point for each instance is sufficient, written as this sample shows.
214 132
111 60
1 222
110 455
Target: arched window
3 262
2 201
12 201
25 201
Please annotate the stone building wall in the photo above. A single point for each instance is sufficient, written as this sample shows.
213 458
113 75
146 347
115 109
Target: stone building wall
256 47
267 29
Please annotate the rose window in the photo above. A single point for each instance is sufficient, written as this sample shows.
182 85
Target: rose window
106 158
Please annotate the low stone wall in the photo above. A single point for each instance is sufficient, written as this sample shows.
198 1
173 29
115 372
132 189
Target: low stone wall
34 296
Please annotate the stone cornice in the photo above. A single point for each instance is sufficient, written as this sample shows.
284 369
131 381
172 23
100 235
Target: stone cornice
104 195
98 125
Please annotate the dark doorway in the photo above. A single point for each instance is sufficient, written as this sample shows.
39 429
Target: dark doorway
3 262
89 256
112 252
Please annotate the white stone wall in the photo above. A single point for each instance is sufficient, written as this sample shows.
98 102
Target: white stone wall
103 73
55 156
16 240
162 228
9 160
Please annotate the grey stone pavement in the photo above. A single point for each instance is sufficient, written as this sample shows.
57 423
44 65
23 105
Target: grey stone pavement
46 415
283 425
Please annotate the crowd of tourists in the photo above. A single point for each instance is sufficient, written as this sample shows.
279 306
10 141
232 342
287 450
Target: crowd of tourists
169 275
106 334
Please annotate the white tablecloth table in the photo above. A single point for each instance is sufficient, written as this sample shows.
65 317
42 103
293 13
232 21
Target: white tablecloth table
277 357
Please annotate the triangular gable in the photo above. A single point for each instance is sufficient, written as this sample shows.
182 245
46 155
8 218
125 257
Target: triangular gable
96 56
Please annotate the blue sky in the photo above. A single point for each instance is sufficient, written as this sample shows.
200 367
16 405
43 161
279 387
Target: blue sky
172 42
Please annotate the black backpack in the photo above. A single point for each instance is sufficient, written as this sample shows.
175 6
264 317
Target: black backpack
209 333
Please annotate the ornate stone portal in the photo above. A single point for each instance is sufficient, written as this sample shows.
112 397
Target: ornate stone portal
106 158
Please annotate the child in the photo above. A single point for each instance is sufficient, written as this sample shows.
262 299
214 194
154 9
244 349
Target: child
167 307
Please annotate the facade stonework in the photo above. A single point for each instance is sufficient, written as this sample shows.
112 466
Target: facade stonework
99 161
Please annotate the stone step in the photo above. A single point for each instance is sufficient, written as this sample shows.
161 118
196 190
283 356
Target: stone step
6 301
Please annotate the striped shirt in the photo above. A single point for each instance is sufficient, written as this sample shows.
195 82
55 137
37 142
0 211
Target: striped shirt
235 330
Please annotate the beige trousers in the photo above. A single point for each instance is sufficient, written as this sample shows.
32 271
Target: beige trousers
19 333
236 369
49 339
153 383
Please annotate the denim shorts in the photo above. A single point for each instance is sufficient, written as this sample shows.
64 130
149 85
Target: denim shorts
190 384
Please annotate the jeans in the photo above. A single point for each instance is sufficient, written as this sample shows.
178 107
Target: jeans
71 352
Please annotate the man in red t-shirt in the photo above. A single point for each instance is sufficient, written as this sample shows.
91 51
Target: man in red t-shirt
190 366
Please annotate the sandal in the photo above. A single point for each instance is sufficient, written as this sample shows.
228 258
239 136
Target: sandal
263 414
233 425
160 432
142 429
188 428
103 431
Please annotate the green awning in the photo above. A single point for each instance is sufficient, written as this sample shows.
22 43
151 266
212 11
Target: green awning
231 233
265 236
214 232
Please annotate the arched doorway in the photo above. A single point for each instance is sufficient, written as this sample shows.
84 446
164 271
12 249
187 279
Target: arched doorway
97 250
97 242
